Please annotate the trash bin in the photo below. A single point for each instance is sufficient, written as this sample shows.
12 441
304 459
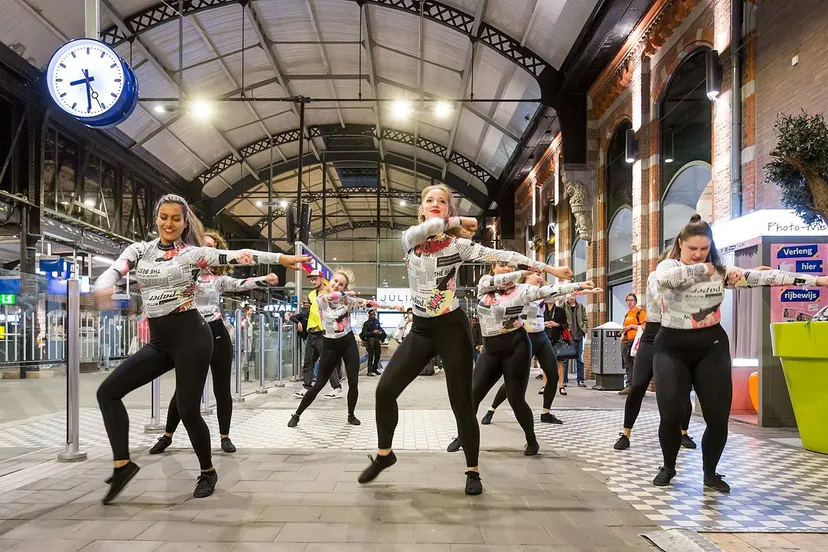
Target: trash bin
607 366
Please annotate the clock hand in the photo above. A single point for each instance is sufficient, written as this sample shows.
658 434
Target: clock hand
88 91
81 81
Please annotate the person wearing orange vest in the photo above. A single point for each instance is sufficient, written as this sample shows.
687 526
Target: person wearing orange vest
634 320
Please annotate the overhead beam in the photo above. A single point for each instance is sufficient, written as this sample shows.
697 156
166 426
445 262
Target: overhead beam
459 21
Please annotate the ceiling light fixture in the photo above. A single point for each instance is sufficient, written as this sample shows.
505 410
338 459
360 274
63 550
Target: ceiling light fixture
713 74
259 204
401 109
402 202
283 204
201 109
442 109
89 202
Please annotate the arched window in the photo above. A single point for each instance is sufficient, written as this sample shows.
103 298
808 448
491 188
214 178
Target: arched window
690 191
686 126
619 242
619 216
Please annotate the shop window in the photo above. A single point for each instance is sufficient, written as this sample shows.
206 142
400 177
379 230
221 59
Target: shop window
691 191
579 260
685 148
619 246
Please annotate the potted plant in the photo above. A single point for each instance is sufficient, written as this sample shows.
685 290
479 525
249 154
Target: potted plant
800 168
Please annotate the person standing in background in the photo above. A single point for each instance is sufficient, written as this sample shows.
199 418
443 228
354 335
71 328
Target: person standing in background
373 335
554 320
313 346
633 321
405 325
576 320
477 337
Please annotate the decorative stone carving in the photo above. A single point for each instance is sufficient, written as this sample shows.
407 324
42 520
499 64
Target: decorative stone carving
580 201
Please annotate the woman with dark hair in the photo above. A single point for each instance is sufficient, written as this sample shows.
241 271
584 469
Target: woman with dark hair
167 269
435 249
211 283
691 348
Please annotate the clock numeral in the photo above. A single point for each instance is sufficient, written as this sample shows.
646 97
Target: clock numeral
117 80
62 65
58 80
73 54
62 95
87 51
113 94
103 54
103 106
113 66
74 105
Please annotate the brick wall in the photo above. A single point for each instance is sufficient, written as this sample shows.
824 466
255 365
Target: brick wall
782 32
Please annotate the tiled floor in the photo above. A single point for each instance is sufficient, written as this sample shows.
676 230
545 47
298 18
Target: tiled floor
298 486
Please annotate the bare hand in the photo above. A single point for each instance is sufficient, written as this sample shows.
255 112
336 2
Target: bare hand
272 279
822 281
593 291
589 284
562 272
762 268
300 327
551 324
710 268
399 308
469 223
377 332
294 262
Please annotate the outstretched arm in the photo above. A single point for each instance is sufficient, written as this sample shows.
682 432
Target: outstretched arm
207 256
670 273
474 252
228 284
490 283
121 267
739 277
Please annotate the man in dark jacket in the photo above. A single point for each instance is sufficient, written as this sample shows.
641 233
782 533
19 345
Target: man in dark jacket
477 337
301 320
373 335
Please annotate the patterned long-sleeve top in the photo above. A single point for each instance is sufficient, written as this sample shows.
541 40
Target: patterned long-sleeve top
209 288
653 299
167 274
691 299
501 311
335 310
433 259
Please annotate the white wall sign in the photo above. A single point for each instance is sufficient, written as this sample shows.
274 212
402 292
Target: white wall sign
398 296
766 222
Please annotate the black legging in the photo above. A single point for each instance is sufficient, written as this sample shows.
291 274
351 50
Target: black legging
506 355
334 351
450 337
701 359
642 375
182 341
541 350
221 365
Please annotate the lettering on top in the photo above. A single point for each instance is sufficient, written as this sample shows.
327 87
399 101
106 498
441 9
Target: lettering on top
798 251
775 227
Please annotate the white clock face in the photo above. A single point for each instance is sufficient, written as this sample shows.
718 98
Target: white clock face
86 78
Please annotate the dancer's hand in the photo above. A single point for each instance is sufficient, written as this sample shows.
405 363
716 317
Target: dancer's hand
589 284
104 298
562 272
822 281
709 268
272 279
469 223
294 262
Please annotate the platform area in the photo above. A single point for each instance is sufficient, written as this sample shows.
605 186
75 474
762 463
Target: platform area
296 490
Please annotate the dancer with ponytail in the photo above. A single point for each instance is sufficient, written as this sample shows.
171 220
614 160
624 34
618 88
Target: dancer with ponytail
541 350
435 249
338 342
507 349
211 283
167 269
691 348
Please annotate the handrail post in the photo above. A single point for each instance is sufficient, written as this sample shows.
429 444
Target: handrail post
155 425
238 396
261 389
72 454
279 382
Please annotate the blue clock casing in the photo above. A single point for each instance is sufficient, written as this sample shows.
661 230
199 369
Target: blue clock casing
88 80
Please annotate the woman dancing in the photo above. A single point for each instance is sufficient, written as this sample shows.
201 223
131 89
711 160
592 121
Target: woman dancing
167 269
338 342
211 283
507 350
435 250
542 350
691 348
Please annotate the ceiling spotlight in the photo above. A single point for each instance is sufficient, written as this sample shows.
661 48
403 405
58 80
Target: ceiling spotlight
89 202
258 204
402 202
334 258
159 109
201 109
401 109
283 204
442 109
